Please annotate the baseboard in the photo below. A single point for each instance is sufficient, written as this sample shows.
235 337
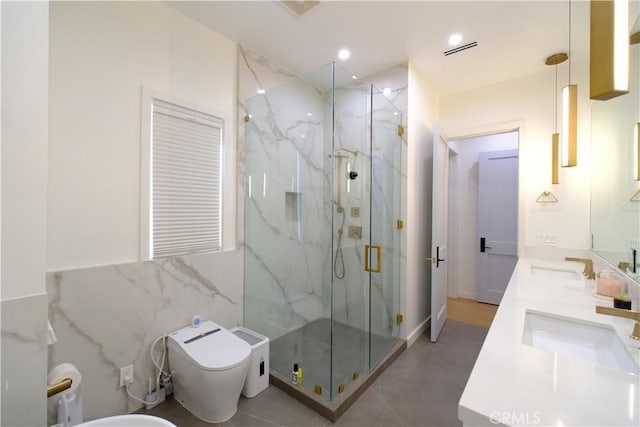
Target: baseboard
466 294
413 336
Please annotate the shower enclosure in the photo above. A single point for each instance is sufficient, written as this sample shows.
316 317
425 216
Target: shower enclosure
322 241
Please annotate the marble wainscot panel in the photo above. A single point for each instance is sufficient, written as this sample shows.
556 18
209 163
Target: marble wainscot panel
107 317
24 356
285 240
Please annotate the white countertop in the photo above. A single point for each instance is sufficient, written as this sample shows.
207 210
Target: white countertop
517 384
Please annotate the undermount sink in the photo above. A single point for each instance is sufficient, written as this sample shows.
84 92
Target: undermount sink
138 420
555 273
588 341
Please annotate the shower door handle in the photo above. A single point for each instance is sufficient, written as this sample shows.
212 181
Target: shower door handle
367 266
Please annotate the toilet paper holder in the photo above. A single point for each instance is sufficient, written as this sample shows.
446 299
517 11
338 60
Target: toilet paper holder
59 387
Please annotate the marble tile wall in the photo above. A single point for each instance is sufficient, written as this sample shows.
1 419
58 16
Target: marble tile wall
24 356
285 251
287 142
107 317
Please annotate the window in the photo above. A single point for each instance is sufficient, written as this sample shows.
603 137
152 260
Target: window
185 181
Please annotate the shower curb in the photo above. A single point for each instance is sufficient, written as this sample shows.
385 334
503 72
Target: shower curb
334 410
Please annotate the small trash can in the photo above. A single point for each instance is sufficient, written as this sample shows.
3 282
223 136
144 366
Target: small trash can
258 375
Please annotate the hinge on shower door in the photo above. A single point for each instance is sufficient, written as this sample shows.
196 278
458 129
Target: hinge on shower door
400 130
399 319
400 224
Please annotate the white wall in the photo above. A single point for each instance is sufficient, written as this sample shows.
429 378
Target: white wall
102 54
528 103
423 113
25 28
24 152
467 200
105 306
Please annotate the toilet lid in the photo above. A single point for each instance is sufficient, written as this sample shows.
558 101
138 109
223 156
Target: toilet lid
211 346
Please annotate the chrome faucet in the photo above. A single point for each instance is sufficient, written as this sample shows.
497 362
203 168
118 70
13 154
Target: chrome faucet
588 266
634 315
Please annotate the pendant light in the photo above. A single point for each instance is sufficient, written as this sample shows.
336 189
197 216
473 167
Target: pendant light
569 137
636 154
554 60
609 49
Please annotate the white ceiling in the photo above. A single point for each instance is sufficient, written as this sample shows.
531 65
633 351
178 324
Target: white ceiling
514 37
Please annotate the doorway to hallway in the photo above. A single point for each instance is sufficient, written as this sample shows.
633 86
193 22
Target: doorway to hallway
466 238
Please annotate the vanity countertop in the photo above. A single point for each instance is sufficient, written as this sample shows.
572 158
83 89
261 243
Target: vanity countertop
517 384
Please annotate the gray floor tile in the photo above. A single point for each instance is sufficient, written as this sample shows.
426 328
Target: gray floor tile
421 388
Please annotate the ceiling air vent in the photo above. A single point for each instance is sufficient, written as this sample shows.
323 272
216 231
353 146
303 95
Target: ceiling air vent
299 7
460 48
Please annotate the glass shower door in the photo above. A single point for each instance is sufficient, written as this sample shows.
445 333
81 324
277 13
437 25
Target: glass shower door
386 152
288 225
349 302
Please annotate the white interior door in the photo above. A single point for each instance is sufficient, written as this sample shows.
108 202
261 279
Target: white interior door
497 222
439 233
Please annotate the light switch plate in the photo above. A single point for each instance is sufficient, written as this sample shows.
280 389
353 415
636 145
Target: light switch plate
547 239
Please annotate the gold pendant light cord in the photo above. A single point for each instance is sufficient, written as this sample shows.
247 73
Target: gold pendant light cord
555 98
569 41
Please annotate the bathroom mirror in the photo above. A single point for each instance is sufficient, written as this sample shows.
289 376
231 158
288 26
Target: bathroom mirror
615 212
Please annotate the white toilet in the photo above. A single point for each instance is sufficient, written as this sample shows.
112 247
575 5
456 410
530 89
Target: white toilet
208 365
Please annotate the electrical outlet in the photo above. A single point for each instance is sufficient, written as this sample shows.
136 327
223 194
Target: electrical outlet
126 375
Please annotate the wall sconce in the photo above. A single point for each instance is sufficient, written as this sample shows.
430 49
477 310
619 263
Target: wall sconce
569 140
555 148
554 60
609 49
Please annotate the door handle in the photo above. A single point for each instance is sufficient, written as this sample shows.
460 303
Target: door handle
367 267
483 244
438 259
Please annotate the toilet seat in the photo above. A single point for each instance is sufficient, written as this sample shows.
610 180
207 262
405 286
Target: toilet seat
210 346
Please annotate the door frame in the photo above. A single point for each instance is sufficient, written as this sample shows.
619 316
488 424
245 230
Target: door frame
495 129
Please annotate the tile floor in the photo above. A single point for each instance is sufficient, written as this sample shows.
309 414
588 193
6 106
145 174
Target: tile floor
421 388
312 346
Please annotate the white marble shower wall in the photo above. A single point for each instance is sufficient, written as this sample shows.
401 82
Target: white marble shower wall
286 229
107 317
289 265
352 136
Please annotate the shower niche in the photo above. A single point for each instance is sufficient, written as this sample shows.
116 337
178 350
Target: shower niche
322 178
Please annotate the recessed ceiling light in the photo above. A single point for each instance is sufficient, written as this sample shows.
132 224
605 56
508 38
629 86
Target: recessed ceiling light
386 91
309 114
455 39
344 54
261 91
354 77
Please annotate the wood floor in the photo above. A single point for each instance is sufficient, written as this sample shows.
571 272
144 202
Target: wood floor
470 311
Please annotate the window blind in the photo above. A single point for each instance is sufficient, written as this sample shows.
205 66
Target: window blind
186 169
